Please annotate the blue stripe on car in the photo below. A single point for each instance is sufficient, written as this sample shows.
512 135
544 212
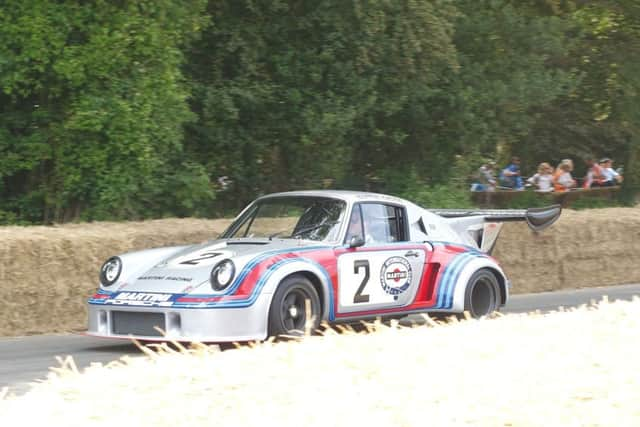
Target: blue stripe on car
454 281
445 280
258 287
258 259
451 273
251 299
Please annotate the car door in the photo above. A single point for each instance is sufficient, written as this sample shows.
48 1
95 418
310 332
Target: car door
386 271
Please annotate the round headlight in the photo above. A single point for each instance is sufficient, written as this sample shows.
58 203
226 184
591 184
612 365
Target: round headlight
222 274
110 271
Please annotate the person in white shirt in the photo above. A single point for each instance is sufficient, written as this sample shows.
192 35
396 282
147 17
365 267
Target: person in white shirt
543 180
562 179
611 177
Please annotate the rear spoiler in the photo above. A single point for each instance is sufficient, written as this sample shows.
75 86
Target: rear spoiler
537 218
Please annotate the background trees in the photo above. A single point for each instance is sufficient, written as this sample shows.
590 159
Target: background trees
113 110
92 107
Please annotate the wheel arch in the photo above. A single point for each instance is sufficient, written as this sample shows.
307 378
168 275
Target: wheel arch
318 277
477 265
322 294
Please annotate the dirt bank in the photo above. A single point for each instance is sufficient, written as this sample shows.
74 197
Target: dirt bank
46 273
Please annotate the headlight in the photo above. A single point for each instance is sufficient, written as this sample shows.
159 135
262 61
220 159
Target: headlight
110 271
222 274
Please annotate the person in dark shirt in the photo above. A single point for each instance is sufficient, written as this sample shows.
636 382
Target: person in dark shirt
510 176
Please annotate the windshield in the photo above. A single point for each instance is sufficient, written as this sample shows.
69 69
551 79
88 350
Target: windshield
311 218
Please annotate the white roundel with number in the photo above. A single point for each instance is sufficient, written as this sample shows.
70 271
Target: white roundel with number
370 280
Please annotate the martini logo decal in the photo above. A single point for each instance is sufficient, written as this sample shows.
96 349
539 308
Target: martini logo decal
395 275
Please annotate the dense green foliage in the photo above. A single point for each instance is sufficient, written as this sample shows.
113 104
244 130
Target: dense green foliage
93 105
132 109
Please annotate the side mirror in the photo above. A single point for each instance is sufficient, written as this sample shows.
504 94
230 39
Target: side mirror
356 241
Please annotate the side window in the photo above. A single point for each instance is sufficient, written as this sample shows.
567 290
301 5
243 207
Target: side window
355 224
383 223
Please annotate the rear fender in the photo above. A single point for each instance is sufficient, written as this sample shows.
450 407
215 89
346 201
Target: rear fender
469 269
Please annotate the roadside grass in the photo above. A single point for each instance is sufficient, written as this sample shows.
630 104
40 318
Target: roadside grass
567 368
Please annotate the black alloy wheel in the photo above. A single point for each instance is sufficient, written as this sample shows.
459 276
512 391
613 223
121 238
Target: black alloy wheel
288 312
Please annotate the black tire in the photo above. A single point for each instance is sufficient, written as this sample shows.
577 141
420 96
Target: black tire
287 314
482 296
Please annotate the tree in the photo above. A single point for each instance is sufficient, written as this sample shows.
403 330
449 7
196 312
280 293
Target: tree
93 103
298 91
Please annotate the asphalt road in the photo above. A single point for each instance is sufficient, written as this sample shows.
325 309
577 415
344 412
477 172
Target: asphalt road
24 360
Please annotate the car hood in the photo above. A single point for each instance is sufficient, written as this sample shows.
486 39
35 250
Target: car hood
188 268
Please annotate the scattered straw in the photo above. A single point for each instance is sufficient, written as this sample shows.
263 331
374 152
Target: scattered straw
571 368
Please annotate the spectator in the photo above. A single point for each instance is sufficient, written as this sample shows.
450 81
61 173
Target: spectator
611 177
595 176
510 176
484 179
559 171
562 179
543 180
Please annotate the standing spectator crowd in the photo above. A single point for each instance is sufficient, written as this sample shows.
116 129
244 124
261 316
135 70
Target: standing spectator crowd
547 179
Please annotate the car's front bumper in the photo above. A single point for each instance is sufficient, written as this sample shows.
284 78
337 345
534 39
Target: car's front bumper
181 324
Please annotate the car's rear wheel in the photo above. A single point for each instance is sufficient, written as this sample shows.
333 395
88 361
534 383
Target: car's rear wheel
482 295
288 313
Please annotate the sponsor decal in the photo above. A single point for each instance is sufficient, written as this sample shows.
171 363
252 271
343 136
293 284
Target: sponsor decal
179 279
151 278
141 299
175 278
395 275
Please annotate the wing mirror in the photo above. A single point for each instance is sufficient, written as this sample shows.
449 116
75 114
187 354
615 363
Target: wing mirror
356 241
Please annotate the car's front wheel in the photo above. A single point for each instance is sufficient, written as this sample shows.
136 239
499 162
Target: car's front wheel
482 296
288 314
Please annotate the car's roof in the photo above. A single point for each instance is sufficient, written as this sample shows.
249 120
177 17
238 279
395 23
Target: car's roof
346 195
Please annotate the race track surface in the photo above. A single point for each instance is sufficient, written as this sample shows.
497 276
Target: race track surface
27 359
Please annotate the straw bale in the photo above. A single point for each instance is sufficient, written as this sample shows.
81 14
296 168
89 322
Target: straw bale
571 368
583 249
47 273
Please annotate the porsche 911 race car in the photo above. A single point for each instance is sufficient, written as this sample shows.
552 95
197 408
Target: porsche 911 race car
295 259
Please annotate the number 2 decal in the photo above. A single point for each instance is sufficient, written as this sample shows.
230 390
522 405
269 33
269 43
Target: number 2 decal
359 297
202 257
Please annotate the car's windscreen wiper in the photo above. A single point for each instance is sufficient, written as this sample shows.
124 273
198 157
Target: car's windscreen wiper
276 233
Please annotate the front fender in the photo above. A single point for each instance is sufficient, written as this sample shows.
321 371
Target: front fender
286 267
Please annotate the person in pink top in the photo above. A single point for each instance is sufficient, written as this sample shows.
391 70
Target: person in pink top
595 176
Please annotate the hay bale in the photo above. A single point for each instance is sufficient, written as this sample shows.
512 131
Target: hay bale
582 249
47 273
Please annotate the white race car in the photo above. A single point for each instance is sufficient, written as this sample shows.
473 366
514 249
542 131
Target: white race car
291 260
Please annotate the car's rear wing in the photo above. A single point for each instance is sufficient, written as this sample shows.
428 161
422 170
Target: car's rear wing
481 227
537 218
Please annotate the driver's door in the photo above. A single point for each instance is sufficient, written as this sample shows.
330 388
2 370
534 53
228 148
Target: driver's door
386 271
